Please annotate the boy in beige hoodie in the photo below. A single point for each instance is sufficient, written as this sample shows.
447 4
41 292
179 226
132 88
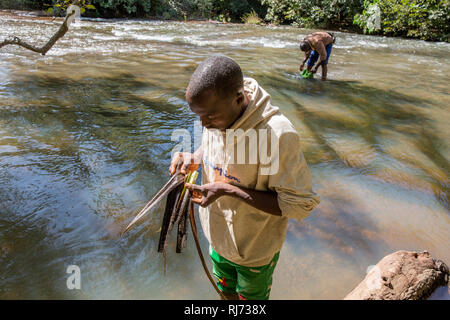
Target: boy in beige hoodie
254 176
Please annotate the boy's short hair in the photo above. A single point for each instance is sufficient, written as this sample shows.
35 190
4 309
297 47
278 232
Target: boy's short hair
305 46
218 73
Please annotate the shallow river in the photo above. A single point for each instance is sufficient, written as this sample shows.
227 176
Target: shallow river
85 141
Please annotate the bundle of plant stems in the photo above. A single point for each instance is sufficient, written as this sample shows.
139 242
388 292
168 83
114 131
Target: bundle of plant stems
176 212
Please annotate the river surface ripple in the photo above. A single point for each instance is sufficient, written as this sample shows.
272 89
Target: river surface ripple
85 141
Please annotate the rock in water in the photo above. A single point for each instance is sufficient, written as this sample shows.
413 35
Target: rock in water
402 275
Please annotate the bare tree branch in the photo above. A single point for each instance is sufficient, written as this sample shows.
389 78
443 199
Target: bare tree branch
45 48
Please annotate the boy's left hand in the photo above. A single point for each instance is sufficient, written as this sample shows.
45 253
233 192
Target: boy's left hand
208 193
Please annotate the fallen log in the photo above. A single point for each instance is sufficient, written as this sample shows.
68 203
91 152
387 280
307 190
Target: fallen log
402 275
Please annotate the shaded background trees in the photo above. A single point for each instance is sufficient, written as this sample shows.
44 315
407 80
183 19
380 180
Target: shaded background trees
423 19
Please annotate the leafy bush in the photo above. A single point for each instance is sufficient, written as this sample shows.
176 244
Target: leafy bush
162 9
21 4
370 19
313 13
103 8
232 10
172 9
423 19
223 10
251 18
117 8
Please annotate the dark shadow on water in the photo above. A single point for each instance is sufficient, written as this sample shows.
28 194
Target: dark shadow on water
43 230
380 111
69 129
342 225
31 264
84 153
105 115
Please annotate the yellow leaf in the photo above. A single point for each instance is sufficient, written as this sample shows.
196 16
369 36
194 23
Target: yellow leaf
50 10
90 6
82 10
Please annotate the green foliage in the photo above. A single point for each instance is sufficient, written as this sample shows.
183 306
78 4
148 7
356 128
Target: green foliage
119 8
313 13
231 10
370 19
251 18
222 10
423 19
21 4
103 8
163 10
59 7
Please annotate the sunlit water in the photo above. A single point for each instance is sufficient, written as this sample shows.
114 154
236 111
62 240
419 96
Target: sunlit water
85 141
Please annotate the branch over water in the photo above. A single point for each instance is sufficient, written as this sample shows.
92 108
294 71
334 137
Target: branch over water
45 48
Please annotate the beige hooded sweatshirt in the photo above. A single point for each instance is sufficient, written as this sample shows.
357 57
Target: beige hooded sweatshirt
272 161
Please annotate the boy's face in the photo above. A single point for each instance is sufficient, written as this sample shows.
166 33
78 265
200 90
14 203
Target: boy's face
216 112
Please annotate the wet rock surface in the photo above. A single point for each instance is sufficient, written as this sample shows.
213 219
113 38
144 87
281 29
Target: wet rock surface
402 275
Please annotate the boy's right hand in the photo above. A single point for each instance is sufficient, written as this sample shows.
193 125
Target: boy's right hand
187 161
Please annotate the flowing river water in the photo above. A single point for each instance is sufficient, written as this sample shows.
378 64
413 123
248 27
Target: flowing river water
85 141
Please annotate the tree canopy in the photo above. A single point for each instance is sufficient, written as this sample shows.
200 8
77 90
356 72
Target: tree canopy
423 19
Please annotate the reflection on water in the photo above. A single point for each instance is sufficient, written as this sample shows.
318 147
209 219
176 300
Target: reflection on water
85 141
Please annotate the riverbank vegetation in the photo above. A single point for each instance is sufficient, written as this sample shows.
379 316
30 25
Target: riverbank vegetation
422 19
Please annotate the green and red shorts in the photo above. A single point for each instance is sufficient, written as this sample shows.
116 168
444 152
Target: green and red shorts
250 283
